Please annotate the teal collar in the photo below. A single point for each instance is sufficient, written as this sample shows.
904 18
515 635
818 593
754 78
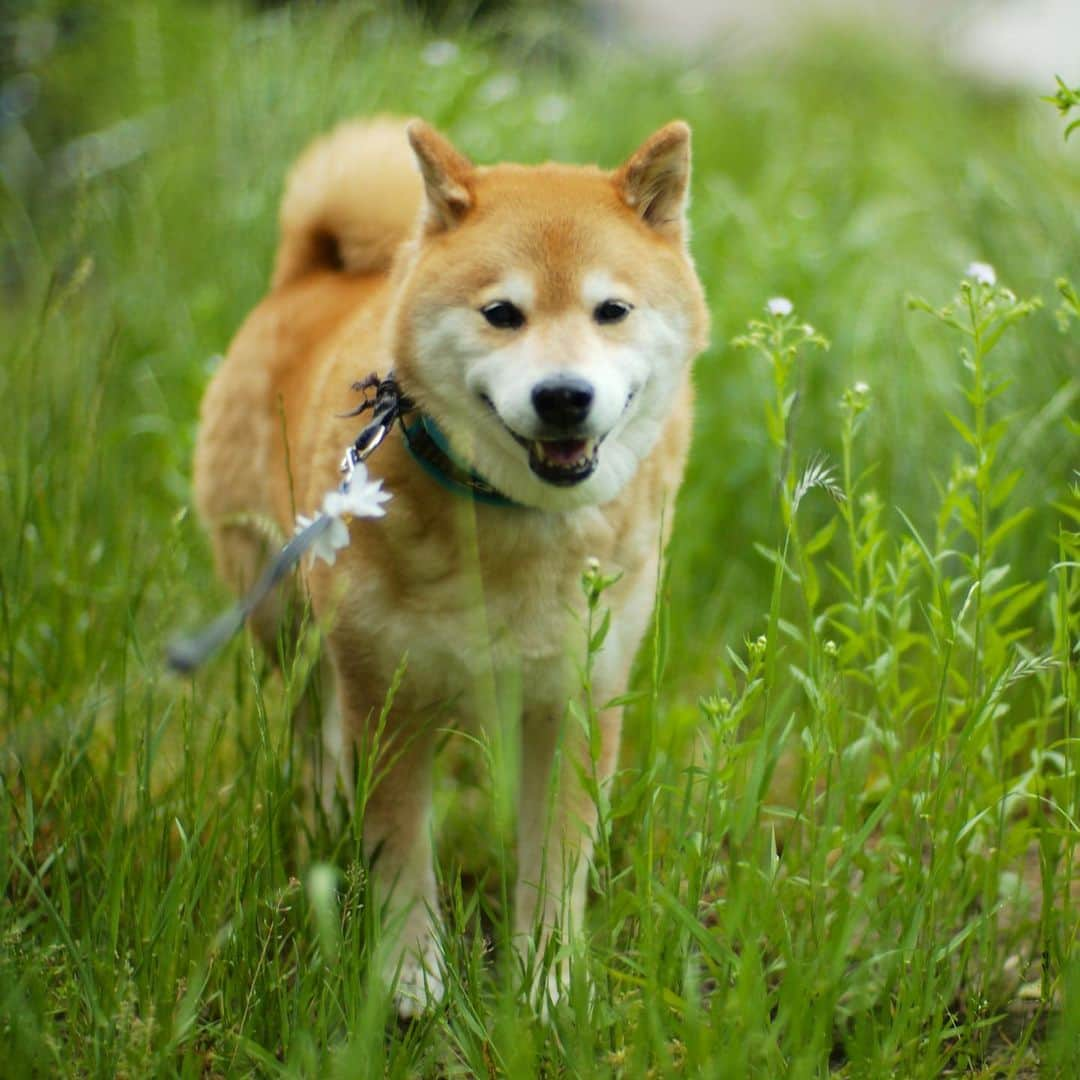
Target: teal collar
430 448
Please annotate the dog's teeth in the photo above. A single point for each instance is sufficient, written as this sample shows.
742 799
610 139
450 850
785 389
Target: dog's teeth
563 461
566 453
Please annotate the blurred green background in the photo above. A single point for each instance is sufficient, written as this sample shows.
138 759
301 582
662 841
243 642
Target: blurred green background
143 151
845 164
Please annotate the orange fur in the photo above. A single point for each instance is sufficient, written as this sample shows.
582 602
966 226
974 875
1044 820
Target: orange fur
468 590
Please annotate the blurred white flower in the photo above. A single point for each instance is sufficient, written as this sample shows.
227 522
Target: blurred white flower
981 272
361 498
780 305
552 108
498 88
440 53
861 388
322 886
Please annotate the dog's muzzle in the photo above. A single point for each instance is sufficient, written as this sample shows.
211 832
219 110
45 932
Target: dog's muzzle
561 453
563 457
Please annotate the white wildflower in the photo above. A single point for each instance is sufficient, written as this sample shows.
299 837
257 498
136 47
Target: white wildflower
780 305
361 498
327 543
981 272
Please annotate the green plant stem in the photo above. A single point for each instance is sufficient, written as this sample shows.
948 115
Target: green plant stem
981 451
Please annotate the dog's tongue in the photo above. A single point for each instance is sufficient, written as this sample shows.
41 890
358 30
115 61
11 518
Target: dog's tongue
564 451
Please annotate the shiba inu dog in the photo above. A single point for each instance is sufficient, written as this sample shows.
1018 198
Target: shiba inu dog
543 320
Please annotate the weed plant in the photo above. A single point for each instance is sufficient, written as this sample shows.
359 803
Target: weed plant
844 835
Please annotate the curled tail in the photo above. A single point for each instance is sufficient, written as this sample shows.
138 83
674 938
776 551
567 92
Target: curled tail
350 201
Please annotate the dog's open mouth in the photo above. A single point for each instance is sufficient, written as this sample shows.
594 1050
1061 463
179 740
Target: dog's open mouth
564 462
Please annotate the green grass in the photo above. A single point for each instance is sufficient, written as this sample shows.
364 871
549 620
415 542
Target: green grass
844 836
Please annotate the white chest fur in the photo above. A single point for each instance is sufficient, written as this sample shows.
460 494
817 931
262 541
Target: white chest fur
497 591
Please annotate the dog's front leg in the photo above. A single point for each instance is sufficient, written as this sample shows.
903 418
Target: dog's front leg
557 824
395 803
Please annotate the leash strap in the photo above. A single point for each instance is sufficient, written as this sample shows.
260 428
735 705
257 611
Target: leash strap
184 654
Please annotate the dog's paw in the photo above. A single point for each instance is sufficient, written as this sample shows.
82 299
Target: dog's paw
419 986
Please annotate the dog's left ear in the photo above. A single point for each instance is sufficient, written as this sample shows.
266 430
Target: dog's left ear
447 174
656 178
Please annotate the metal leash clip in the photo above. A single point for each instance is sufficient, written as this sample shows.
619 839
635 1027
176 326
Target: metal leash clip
386 406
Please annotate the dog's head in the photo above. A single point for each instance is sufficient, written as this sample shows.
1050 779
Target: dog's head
546 315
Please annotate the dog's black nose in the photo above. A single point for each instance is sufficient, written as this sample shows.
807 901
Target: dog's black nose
563 401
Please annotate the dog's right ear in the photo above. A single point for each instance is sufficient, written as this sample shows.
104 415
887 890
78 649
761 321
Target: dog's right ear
447 174
655 180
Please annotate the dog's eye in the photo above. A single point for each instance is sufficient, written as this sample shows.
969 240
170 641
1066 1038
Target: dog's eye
503 315
612 311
